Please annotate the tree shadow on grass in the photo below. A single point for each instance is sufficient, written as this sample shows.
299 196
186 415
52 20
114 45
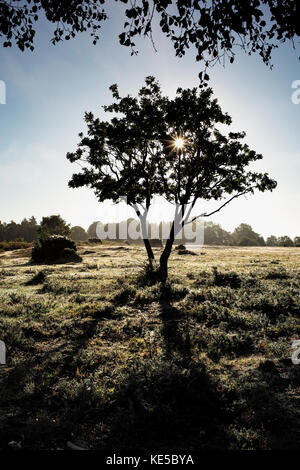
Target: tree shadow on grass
175 331
32 412
167 402
172 405
166 405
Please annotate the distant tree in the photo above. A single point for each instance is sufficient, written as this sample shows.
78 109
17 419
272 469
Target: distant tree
285 241
29 229
247 241
91 231
244 235
11 231
78 234
215 235
26 230
215 28
54 225
272 241
2 231
165 147
297 241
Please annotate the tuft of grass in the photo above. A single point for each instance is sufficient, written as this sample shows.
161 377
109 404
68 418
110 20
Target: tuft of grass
231 279
186 252
147 276
38 278
277 274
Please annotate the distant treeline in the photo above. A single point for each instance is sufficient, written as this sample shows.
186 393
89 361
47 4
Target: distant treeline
29 230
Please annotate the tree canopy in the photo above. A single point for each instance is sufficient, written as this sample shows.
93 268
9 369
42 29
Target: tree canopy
216 29
272 241
26 230
285 240
297 241
78 234
157 146
244 235
54 225
214 234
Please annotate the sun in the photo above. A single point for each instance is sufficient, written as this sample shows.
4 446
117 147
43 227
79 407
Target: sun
175 143
179 143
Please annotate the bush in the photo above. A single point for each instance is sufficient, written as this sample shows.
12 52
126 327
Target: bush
230 279
180 247
95 240
277 274
247 241
54 248
148 276
69 255
187 252
170 291
38 278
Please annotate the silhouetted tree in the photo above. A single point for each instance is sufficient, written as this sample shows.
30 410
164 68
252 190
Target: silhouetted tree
244 235
2 231
215 28
215 235
134 156
29 229
285 241
272 241
297 241
78 234
54 225
91 231
12 231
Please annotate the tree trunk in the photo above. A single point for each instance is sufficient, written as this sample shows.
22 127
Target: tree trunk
163 262
149 252
143 222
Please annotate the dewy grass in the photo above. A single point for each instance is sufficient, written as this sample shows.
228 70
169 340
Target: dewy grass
201 362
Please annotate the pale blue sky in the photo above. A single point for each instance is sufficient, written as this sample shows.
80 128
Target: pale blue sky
49 90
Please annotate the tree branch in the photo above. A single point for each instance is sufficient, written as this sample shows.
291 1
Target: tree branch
221 207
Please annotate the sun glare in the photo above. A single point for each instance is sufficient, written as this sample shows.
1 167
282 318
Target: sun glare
179 143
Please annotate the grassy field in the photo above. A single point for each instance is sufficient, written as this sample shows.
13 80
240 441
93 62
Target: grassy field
97 357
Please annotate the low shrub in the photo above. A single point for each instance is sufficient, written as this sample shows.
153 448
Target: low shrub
169 291
54 248
147 276
95 240
69 255
180 247
124 294
187 252
230 279
38 278
16 245
277 274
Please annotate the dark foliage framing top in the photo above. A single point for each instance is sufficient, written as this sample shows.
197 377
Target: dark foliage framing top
216 28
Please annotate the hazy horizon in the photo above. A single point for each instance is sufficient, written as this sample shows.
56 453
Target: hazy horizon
157 222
